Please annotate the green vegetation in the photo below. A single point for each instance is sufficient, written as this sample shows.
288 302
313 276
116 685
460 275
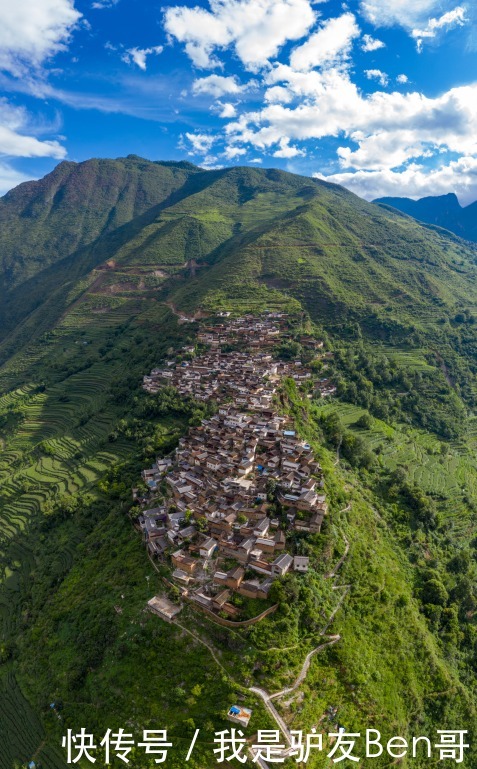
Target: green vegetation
91 305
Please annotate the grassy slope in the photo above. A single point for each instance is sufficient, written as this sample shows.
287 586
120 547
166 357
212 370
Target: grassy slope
50 229
385 261
55 442
263 239
45 221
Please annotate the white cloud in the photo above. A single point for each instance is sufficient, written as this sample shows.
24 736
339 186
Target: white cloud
418 17
403 79
371 44
201 143
331 105
330 45
376 74
102 4
17 139
19 145
382 150
459 176
227 110
32 32
405 13
278 95
231 153
456 17
10 177
210 162
286 151
139 56
257 29
217 85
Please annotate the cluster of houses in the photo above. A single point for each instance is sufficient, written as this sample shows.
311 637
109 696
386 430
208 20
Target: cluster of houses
218 374
242 485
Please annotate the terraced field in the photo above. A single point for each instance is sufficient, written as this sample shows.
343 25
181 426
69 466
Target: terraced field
449 473
56 418
20 727
413 360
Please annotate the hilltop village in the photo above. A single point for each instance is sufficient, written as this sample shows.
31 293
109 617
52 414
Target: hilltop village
242 486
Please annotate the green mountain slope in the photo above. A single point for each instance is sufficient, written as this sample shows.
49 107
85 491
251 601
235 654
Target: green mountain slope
42 222
49 228
258 228
330 248
92 302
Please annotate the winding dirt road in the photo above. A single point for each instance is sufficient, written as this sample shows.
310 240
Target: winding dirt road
306 665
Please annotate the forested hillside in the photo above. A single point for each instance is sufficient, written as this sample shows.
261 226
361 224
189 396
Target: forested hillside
106 268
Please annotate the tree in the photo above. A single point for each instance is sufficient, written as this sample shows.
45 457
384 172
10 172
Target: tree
272 489
316 365
434 592
332 428
289 350
365 422
460 563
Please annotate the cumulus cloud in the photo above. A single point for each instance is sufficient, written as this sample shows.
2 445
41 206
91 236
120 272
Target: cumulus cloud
330 104
32 32
277 94
287 151
382 150
200 143
382 135
257 29
139 56
376 74
17 137
217 85
227 110
371 44
416 181
231 153
330 45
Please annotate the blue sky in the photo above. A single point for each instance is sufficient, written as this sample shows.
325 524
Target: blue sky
378 95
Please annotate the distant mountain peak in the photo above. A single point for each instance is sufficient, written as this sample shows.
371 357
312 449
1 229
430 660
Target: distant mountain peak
440 210
450 198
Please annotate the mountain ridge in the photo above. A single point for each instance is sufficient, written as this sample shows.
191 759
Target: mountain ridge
209 234
441 210
41 221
